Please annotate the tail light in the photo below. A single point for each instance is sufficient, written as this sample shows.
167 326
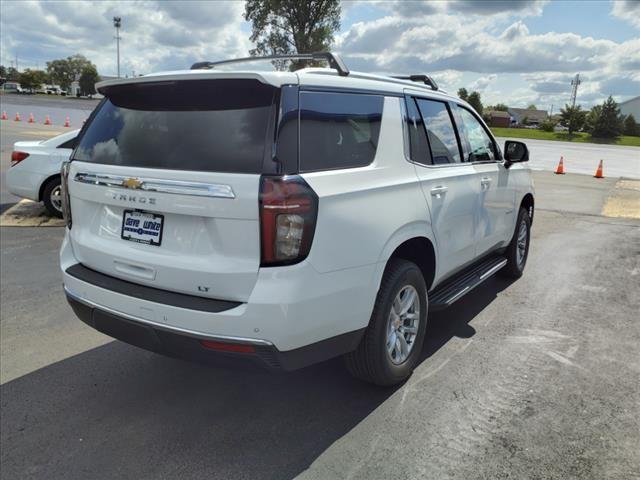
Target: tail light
64 187
288 214
17 157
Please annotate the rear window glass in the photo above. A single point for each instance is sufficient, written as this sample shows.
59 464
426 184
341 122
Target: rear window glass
71 144
338 130
203 125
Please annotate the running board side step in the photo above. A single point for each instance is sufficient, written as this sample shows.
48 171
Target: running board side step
454 289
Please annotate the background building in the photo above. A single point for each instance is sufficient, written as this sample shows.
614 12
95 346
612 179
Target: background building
631 107
496 118
525 116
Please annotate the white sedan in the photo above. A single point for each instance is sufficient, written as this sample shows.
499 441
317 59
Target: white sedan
35 169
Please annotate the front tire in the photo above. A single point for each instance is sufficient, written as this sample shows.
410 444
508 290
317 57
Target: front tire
392 343
518 250
52 197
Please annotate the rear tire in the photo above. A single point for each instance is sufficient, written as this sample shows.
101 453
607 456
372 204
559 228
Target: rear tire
52 197
518 250
392 343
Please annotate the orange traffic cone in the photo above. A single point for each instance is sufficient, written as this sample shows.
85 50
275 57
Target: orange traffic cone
67 123
560 169
4 116
47 120
31 119
17 119
599 171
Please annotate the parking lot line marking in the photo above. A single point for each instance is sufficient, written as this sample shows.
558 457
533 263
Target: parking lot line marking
624 200
26 213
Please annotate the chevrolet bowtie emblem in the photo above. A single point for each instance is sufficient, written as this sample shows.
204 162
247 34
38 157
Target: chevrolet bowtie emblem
132 183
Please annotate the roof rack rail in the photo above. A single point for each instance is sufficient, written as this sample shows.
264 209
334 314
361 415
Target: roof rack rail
426 79
333 59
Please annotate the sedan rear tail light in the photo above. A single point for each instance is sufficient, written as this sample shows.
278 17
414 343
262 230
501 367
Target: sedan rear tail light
288 214
64 187
17 157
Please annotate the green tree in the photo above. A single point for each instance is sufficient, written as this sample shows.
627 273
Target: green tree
88 80
13 75
3 71
573 118
66 70
592 116
32 79
475 102
292 26
60 72
631 127
463 94
608 123
548 125
532 107
500 107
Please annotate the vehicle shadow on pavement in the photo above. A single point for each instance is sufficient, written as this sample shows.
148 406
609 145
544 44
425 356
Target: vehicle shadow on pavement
454 321
117 411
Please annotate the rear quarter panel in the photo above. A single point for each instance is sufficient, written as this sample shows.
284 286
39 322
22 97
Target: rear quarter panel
365 213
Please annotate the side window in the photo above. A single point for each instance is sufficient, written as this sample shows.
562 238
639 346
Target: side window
441 132
338 130
70 144
482 148
418 146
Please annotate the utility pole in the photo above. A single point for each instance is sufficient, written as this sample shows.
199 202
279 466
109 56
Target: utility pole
574 91
117 21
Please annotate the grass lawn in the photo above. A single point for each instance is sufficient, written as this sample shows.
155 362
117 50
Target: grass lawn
562 136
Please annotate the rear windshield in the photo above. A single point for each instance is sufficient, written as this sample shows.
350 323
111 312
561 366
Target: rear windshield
203 125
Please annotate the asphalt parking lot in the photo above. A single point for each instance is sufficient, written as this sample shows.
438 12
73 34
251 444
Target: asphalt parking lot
537 378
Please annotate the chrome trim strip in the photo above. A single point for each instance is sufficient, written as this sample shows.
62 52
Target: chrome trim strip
198 189
493 270
164 326
462 292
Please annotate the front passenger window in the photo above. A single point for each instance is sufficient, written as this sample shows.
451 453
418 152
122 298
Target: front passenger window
482 149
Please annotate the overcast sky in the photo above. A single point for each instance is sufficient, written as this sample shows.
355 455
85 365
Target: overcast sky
516 52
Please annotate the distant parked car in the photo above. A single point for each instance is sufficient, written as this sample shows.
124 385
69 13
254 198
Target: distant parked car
35 169
12 87
55 90
560 128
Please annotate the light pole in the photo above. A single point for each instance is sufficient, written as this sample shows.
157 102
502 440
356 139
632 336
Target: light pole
116 23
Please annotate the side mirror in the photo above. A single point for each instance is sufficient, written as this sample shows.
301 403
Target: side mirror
515 152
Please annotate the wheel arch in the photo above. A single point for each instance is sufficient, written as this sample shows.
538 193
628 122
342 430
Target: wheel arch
43 185
528 203
414 242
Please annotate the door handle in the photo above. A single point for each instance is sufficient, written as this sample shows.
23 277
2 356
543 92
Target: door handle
439 190
485 182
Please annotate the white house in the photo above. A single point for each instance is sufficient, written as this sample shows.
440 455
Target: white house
631 107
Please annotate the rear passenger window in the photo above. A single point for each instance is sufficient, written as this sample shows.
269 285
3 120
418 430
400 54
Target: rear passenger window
71 144
418 146
338 130
441 132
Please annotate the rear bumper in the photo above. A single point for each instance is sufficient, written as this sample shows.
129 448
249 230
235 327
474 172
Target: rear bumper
188 345
289 308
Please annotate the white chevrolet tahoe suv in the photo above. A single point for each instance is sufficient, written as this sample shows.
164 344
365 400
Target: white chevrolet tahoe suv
286 217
